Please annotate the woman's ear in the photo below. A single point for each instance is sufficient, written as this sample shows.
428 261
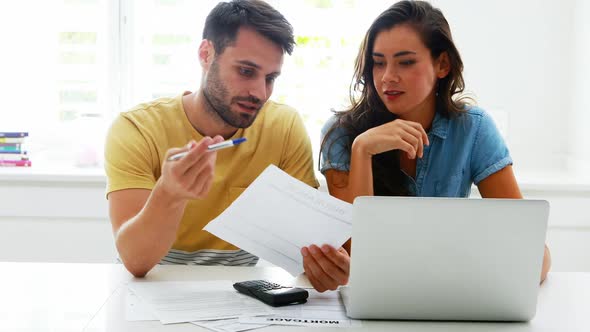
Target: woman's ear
443 65
206 54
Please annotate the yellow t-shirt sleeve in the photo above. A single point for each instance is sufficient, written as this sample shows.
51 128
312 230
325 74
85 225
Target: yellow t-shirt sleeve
297 159
128 158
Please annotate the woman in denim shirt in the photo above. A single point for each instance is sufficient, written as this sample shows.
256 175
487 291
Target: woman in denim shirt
409 132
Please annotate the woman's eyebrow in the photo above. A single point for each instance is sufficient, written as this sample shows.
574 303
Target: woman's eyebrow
398 54
402 53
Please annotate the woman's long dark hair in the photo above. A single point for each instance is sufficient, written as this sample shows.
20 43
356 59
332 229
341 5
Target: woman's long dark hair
368 111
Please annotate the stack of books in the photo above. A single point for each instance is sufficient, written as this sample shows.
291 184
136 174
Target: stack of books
12 149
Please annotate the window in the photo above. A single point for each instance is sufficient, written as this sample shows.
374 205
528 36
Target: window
56 78
67 75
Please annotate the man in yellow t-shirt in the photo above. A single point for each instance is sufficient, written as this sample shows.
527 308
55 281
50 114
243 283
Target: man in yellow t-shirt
158 208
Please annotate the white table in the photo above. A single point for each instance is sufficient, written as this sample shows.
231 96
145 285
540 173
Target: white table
91 297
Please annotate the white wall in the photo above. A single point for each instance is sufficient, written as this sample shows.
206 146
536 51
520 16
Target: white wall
52 219
518 58
580 139
67 221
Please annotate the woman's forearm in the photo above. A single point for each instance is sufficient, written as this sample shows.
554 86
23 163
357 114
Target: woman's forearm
546 264
360 177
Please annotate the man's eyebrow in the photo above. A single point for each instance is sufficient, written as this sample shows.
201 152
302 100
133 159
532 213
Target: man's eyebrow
274 74
249 63
254 65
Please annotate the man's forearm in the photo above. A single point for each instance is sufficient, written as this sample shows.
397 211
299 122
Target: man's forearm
146 238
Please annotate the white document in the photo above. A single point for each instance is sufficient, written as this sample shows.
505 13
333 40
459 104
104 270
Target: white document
278 215
321 309
137 310
228 325
187 301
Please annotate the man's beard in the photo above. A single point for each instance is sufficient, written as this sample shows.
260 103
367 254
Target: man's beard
215 93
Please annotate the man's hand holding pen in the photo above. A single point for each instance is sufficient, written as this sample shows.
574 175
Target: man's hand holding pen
191 176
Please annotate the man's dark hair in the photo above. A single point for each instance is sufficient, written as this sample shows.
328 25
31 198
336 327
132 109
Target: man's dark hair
224 21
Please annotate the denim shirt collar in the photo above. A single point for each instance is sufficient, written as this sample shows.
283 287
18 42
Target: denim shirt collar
440 125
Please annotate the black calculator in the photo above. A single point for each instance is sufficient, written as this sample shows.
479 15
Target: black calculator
271 293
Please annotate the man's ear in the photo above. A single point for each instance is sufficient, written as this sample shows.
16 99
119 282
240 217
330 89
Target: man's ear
206 54
443 65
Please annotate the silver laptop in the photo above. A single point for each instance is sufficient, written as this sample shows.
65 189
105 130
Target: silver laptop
445 258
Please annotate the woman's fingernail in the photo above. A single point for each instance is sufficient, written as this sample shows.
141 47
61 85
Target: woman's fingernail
325 249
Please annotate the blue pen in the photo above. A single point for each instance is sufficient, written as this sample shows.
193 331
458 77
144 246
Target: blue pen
212 147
